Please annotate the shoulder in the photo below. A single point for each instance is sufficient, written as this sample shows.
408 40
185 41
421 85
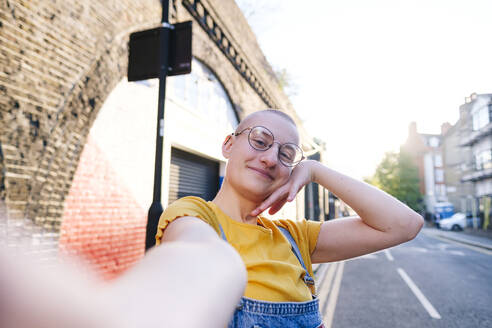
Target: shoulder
296 226
304 232
188 201
186 206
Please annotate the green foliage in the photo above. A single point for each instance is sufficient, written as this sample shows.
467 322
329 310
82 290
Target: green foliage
286 82
398 176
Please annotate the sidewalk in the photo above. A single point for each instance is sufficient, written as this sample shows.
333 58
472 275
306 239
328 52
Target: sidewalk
479 233
482 239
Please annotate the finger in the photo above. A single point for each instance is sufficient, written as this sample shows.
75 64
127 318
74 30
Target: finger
292 193
275 196
277 206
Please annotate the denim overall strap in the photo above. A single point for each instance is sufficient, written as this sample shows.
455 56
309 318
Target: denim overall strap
222 234
307 278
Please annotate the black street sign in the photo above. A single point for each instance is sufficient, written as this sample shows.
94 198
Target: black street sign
145 51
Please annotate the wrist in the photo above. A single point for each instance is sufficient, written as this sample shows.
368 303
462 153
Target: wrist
315 168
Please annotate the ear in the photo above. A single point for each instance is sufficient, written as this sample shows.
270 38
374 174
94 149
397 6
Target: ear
227 146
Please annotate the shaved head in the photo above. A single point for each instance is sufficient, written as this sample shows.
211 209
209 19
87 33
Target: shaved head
245 122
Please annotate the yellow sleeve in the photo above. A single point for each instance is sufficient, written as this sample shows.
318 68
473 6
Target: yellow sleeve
186 206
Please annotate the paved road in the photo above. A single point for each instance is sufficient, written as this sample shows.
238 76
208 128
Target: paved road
428 282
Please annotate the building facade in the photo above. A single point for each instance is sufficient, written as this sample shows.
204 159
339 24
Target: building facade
456 165
426 151
456 161
77 141
477 139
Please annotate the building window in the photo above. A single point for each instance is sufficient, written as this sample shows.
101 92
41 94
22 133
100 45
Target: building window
439 175
441 190
481 117
483 159
438 160
450 189
201 92
433 142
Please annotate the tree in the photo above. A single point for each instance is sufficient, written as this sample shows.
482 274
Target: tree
398 176
286 82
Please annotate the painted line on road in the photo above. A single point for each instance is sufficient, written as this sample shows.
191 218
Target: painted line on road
325 286
332 301
477 249
420 296
388 255
320 275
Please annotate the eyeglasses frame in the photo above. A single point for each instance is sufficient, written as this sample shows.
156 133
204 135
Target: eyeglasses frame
235 134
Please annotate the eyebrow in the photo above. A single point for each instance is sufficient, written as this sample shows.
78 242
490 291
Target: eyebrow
264 133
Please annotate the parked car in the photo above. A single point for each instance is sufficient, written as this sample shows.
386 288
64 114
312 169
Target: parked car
457 222
473 222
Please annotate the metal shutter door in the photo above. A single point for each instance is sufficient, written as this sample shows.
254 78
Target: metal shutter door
192 175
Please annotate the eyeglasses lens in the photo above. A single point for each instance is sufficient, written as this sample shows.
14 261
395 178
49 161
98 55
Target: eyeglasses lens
262 139
290 154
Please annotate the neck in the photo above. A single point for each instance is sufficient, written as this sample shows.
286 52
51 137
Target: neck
234 205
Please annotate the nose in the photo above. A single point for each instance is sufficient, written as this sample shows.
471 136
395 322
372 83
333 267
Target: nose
270 156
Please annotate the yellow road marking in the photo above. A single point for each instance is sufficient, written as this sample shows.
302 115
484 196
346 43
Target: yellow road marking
332 301
325 286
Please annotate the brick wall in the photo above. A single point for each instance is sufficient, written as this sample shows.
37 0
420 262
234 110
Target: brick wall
102 222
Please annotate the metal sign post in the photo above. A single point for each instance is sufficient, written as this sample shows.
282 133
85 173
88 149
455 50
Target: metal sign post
155 209
159 52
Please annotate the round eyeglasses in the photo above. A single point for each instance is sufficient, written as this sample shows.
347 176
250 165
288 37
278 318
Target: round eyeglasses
260 138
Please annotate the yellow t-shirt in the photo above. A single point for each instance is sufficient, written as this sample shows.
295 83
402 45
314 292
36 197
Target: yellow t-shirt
274 273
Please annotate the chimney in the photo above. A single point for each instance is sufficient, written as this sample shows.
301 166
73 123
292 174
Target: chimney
463 111
412 129
445 127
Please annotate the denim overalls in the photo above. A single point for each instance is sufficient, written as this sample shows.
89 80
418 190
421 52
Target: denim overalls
252 313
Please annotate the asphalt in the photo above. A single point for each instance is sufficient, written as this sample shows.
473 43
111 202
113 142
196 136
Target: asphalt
453 277
371 293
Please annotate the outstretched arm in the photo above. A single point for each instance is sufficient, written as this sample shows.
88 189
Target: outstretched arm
193 279
382 220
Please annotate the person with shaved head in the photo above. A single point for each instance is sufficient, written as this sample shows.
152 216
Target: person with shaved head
221 263
265 169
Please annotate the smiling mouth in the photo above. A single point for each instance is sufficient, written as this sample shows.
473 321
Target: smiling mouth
262 173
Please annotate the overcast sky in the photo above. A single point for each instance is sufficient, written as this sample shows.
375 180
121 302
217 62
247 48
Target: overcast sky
364 69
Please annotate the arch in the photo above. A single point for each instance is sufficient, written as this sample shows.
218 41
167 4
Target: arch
202 80
224 88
